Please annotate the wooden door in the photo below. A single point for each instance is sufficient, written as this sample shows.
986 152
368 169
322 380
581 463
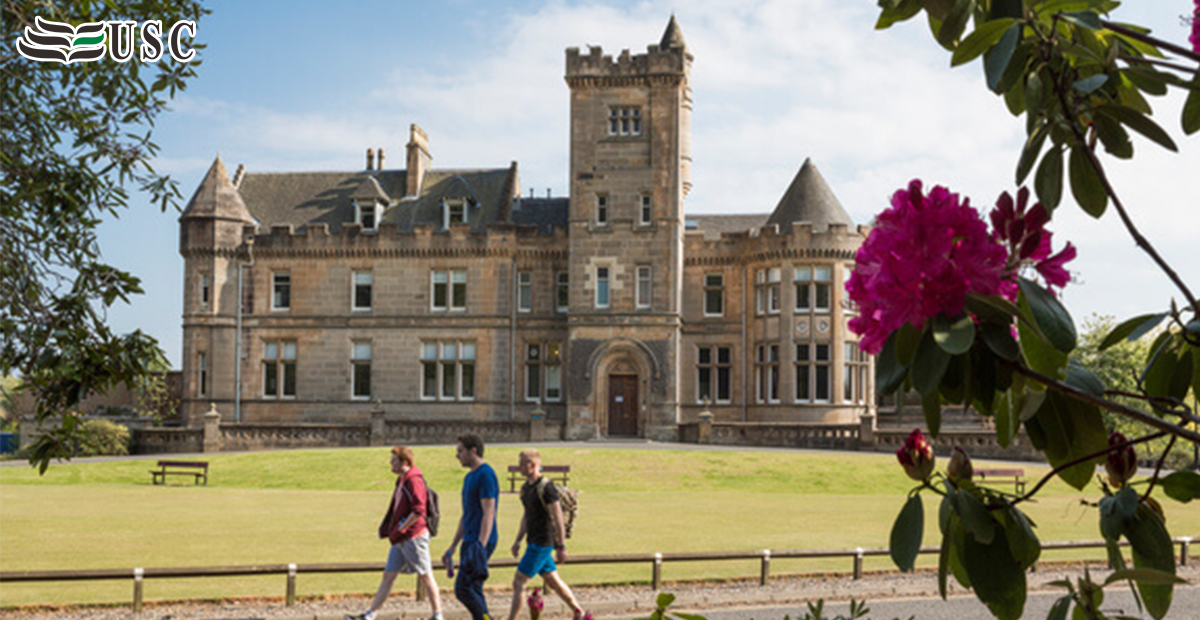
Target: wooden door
622 405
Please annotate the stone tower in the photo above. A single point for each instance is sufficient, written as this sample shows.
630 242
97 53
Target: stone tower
629 174
212 241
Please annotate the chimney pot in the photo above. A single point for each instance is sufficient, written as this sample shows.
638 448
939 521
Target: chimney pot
380 158
370 159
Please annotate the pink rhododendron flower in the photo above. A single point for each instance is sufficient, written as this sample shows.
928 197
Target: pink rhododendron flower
536 603
925 254
1023 229
1195 38
916 456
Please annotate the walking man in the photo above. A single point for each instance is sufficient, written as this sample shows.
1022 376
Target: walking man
476 528
542 523
404 525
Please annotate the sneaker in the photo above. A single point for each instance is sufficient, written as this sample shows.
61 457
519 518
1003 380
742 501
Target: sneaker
436 616
365 616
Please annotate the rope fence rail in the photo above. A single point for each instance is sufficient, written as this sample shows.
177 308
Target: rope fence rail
655 560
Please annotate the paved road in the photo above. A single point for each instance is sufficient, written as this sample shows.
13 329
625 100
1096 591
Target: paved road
1119 601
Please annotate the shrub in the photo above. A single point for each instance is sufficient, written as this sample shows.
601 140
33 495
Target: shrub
103 438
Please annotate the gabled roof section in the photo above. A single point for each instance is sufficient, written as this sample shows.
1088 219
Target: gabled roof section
217 197
809 199
673 37
369 189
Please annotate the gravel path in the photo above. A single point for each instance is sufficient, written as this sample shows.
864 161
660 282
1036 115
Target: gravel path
604 602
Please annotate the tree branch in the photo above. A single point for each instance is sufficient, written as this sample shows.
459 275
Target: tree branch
1083 459
1149 40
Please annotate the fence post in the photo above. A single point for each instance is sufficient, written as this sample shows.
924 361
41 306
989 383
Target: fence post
420 589
656 580
138 574
291 585
858 563
765 573
1184 544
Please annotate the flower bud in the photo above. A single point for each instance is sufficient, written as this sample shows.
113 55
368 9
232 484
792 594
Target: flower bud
960 465
916 457
536 603
1121 463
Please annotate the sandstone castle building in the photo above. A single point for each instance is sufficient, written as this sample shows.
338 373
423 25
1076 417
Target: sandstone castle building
439 293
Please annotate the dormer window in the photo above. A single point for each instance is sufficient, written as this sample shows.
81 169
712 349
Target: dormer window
367 213
454 211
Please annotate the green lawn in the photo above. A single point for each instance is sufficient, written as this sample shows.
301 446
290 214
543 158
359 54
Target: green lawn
323 506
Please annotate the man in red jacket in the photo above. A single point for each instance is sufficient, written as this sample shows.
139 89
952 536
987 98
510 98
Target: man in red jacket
404 525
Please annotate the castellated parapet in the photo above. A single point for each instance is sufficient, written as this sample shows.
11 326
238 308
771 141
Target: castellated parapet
802 240
599 66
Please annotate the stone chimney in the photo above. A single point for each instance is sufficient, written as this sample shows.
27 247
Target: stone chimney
381 158
419 160
370 159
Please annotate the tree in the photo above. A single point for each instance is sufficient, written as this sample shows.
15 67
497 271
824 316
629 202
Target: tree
967 315
76 141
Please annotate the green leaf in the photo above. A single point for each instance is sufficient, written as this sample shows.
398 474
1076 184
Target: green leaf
1147 79
1022 541
1086 19
1050 315
976 519
1169 374
1065 430
1088 85
1145 575
889 373
1113 136
954 335
998 58
905 541
1140 123
901 11
999 339
907 340
1086 186
992 308
1151 548
1182 486
1029 155
1190 119
997 577
931 407
1117 512
1083 379
1132 329
983 37
954 23
1048 182
929 365
664 600
1059 610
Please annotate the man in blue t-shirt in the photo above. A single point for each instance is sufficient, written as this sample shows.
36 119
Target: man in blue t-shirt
476 528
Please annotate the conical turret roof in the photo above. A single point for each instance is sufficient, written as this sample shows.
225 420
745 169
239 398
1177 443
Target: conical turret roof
809 199
673 37
217 197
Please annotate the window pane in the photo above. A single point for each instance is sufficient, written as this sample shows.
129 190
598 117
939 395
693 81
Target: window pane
449 350
362 351
362 380
704 355
289 378
563 294
439 295
822 373
468 381
713 299
553 352
823 274
724 355
822 297
429 351
723 384
802 274
553 382
802 353
270 379
802 297
271 350
524 290
429 382
460 295
533 386
289 350
704 384
803 389
823 352
449 380
468 350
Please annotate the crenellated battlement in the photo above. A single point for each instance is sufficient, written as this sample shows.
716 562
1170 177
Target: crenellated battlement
598 65
801 240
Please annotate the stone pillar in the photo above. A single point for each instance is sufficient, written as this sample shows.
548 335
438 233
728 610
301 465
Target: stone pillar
706 418
378 428
537 425
866 432
212 429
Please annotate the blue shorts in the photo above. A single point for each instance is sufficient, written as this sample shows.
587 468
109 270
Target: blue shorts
538 560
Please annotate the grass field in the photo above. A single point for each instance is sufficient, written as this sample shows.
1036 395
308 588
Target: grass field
323 506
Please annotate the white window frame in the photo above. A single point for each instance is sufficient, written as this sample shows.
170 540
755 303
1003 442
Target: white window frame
360 357
766 371
625 121
766 290
603 286
451 362
562 291
454 294
717 285
281 291
647 210
854 382
543 371
202 373
360 214
524 291
602 209
205 290
645 287
452 208
279 361
718 367
359 279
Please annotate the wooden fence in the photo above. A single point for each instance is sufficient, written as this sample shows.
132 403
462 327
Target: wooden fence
654 560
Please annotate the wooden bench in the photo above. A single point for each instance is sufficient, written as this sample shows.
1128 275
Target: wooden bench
1003 476
198 469
557 473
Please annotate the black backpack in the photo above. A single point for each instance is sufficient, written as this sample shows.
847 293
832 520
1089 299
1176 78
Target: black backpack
433 509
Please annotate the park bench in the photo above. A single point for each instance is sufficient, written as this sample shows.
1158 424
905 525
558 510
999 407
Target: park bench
198 469
557 473
1003 476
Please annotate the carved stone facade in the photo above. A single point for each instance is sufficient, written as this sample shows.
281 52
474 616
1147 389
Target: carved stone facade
439 295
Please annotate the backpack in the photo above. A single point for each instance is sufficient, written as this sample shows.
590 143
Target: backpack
433 510
568 498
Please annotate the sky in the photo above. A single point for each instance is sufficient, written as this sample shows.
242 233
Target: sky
298 86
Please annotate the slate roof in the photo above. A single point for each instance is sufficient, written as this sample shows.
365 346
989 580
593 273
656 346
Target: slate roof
545 213
809 199
216 197
303 198
673 36
713 225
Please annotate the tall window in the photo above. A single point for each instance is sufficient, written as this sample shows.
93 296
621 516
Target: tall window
202 374
813 288
813 376
524 291
543 371
647 212
766 290
279 369
602 210
767 369
454 211
449 289
360 367
855 381
602 299
205 289
645 286
714 366
448 370
714 294
625 121
281 290
361 293
562 292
